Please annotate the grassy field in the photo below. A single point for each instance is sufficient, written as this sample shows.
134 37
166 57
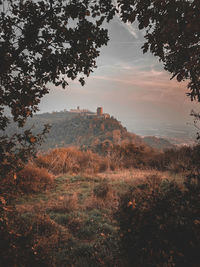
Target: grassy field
69 207
72 223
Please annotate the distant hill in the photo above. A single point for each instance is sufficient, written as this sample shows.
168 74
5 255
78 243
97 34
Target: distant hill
158 143
69 129
74 129
89 131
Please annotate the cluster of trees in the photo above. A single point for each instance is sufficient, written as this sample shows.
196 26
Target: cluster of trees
183 160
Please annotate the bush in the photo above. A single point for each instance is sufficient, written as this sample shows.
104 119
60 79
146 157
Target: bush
160 224
30 240
71 160
104 165
183 160
101 190
33 179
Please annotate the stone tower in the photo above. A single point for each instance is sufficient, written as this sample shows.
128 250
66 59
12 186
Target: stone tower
99 111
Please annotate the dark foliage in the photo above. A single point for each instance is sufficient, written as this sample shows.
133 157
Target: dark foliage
184 160
46 42
16 150
101 190
29 241
160 224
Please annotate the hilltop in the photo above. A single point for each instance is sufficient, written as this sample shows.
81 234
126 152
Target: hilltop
71 128
87 129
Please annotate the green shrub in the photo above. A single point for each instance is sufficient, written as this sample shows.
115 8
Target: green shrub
160 225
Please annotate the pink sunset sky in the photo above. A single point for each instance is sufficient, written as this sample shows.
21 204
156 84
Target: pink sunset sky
130 85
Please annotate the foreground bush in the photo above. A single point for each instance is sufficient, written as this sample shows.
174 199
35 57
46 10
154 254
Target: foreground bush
160 224
183 160
32 179
126 154
30 240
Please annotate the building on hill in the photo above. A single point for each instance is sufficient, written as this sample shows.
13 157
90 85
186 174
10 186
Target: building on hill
85 112
78 110
106 115
99 111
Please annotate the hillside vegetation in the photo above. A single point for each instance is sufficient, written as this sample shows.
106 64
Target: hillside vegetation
69 208
109 200
158 143
69 129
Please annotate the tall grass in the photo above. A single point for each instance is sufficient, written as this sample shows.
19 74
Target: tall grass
71 160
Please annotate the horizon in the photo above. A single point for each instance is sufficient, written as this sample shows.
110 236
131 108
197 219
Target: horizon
177 134
130 85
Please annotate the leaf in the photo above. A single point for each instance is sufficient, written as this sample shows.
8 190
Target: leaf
87 13
32 139
179 77
2 199
82 81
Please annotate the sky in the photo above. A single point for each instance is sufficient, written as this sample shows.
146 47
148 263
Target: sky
130 85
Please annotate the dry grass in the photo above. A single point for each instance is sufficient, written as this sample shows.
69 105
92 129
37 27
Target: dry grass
97 191
132 175
109 202
71 160
103 196
63 204
81 207
81 202
31 207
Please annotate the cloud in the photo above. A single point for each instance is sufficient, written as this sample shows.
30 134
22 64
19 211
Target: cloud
130 29
142 83
144 80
